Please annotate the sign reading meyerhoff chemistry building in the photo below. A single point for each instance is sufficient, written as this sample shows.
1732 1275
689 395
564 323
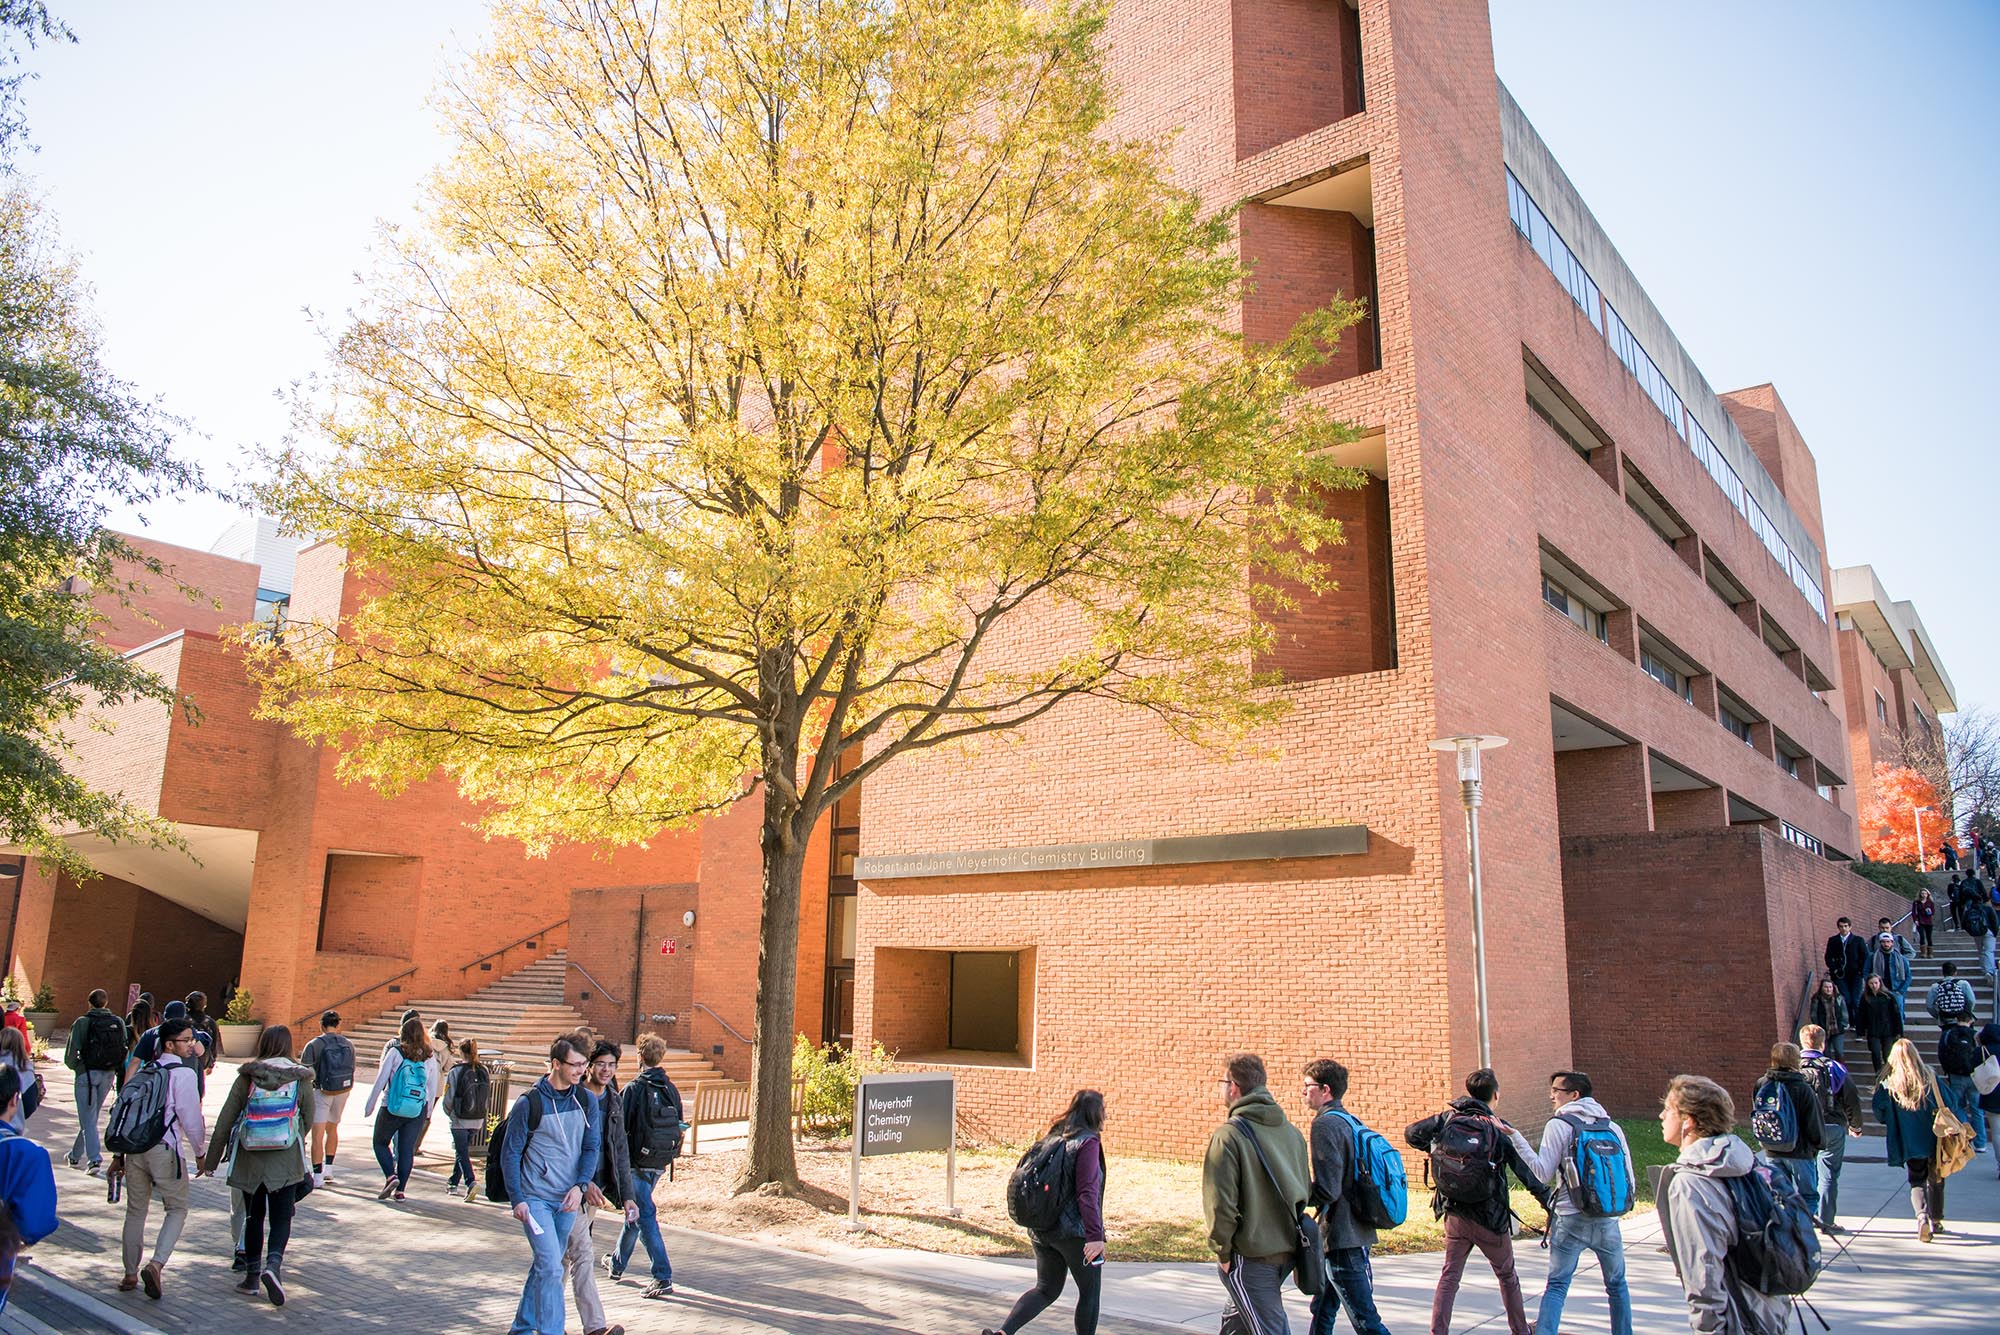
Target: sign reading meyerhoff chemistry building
903 1114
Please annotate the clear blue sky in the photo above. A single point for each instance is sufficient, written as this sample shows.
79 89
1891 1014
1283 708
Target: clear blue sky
1809 192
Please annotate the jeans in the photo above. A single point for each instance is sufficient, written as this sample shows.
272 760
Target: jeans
404 1133
1878 1052
1986 957
1831 1158
1350 1279
644 1182
1461 1235
1256 1303
277 1205
1056 1258
92 1088
1570 1236
1804 1175
1963 1097
461 1158
1901 998
1924 940
542 1307
157 1170
1850 989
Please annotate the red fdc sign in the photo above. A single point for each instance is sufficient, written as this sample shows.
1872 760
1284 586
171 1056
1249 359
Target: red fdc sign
670 946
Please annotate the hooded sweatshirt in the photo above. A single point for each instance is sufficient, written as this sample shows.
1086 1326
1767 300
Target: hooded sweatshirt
272 1169
1699 1226
1559 1141
560 1153
1246 1214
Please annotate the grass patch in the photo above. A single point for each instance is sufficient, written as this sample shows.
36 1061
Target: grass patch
1152 1211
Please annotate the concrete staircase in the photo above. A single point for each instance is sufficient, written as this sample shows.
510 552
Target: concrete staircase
515 1017
1918 1026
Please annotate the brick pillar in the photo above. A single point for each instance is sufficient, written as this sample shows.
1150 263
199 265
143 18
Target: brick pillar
1703 690
1762 741
1692 809
1603 790
1609 466
1689 550
1795 662
1621 632
34 914
1751 613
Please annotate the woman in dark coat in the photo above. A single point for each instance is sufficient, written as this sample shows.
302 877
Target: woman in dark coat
1906 1102
1878 1022
1076 1247
1829 1012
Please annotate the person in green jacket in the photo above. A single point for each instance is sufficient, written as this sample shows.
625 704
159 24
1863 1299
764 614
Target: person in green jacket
1251 1202
263 1128
1906 1104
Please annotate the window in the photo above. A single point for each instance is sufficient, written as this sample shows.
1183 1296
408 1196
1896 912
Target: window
1737 724
1797 836
1532 223
1665 674
1645 371
1789 764
1825 790
1881 707
1573 607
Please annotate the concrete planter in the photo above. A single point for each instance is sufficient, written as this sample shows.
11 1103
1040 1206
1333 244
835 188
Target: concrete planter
240 1040
42 1022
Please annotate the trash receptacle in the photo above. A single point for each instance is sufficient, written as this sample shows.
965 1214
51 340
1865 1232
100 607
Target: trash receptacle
499 1075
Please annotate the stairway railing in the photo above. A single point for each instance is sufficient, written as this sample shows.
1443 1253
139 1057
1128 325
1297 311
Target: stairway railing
700 1006
601 989
517 941
304 1024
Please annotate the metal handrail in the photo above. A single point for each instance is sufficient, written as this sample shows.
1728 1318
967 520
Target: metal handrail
724 1023
594 983
1804 1011
305 1020
518 941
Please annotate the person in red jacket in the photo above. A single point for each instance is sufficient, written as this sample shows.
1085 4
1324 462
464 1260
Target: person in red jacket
15 1020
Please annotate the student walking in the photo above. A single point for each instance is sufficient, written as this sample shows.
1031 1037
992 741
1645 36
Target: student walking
1582 1146
1785 1117
1346 1232
14 1053
654 1125
547 1157
1906 1104
1950 996
400 1102
610 1186
167 1083
1923 913
264 1125
1982 925
1074 1248
1472 1150
1888 962
468 1091
27 1186
1829 1012
1840 1117
95 1051
1254 1181
1989 1102
1880 1023
1847 963
1697 1217
137 1021
331 1057
1958 1057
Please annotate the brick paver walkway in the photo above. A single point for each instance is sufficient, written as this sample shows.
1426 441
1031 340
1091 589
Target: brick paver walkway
435 1264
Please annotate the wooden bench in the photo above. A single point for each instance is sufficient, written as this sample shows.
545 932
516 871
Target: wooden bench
720 1101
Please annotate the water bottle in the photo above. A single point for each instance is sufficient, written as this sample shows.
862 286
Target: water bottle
115 1187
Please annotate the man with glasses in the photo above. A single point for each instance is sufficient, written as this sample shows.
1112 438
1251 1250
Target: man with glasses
548 1157
161 1170
612 1186
1571 1231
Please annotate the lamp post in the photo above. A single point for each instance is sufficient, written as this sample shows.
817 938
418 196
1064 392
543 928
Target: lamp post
1467 746
1922 859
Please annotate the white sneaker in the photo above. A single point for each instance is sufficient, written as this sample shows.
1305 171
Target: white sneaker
319 1180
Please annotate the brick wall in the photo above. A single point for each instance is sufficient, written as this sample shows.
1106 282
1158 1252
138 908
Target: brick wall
370 905
617 934
1295 68
1299 260
1603 790
1349 627
224 595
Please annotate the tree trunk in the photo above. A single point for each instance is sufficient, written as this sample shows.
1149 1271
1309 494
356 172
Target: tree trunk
770 1157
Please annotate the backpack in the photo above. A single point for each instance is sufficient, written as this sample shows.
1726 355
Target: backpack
496 1177
139 1117
1953 998
1465 1158
1041 1185
103 1045
1773 1119
1776 1250
1818 1072
1378 1189
1598 1174
659 1142
1958 1051
407 1094
471 1091
270 1119
333 1064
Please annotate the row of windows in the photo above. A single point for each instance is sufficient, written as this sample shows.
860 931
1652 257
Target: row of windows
1533 224
1667 675
1801 838
1573 607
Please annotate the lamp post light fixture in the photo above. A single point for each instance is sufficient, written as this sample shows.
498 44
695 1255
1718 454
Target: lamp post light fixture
1467 746
1922 859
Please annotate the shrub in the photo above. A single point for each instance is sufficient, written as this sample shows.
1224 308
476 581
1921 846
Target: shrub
45 999
10 989
1900 877
240 1002
830 1075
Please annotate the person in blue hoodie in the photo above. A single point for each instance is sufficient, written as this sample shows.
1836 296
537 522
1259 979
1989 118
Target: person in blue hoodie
27 1185
548 1157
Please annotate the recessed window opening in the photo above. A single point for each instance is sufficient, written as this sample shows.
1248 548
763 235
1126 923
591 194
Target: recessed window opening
1666 667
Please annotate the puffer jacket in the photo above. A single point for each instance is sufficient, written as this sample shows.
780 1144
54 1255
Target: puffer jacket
271 1169
1698 1222
1246 1216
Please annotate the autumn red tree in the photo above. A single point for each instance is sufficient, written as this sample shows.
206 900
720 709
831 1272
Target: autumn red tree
1889 821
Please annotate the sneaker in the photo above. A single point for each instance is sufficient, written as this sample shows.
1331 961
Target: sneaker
658 1290
319 1180
611 1266
388 1190
96 1168
241 1264
469 1196
399 1195
72 1159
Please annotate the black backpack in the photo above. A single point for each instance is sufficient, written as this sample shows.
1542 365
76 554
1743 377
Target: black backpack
1776 1250
659 1142
1818 1072
1958 1051
1465 1158
496 1178
471 1089
1041 1185
103 1042
333 1064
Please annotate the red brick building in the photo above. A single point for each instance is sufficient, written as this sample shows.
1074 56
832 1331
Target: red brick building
1890 678
1570 539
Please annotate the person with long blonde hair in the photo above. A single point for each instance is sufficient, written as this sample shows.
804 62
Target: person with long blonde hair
1906 1101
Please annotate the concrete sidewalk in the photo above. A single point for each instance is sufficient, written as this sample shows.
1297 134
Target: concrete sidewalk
439 1264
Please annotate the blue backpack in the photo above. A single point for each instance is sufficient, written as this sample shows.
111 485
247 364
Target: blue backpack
1597 1175
408 1095
1378 1188
1773 1119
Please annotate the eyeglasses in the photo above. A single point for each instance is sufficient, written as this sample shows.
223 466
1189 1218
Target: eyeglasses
574 1066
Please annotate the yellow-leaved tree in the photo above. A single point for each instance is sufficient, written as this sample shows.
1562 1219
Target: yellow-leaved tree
754 371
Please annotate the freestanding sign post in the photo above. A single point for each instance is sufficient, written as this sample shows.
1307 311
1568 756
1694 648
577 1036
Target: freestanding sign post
905 1114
